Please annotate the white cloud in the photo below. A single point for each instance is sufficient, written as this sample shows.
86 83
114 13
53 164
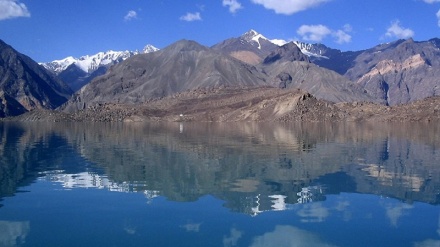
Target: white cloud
191 17
341 37
12 8
289 7
438 13
314 33
397 31
438 17
347 28
130 15
233 5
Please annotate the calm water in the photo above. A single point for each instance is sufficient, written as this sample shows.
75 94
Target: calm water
219 185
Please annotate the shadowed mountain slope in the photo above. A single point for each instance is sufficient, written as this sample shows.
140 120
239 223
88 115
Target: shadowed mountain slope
25 85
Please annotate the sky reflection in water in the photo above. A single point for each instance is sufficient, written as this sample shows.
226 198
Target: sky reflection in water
183 184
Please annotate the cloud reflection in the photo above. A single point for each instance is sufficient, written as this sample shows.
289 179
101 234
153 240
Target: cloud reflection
289 236
192 227
395 212
342 206
313 212
13 233
428 243
232 239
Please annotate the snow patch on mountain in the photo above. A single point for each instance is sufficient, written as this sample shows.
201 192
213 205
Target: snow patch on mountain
310 50
278 42
254 38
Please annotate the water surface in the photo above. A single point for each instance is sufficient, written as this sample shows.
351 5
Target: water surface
247 184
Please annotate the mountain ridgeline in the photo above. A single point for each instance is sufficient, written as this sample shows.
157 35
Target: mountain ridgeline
395 73
187 65
77 72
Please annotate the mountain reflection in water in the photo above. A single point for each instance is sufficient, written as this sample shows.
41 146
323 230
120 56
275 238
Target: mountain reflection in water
253 168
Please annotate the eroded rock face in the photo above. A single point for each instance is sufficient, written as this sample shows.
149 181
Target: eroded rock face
399 72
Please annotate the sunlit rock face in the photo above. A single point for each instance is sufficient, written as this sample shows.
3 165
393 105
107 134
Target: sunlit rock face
398 72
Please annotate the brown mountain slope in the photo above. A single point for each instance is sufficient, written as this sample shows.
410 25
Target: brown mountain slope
182 66
399 72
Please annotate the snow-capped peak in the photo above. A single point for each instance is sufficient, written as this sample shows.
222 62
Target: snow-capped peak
253 36
149 48
90 63
58 66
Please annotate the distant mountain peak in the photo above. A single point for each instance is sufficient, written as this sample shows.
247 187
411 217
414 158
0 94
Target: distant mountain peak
185 45
249 35
77 72
90 63
149 48
288 52
253 37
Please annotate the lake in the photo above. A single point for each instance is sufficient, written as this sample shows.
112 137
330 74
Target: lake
219 184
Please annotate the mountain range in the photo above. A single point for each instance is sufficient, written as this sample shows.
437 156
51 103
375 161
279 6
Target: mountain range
395 73
77 72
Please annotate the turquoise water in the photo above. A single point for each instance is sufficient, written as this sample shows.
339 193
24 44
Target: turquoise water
247 184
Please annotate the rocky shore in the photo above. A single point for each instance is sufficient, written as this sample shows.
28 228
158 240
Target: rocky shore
242 104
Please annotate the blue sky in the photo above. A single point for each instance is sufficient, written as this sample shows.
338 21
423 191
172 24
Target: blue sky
54 29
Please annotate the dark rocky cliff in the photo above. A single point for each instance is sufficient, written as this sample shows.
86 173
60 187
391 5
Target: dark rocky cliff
25 85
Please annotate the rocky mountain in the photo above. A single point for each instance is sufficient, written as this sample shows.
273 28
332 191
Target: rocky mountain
187 65
289 52
251 47
25 85
77 72
184 65
399 72
288 67
326 57
394 73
